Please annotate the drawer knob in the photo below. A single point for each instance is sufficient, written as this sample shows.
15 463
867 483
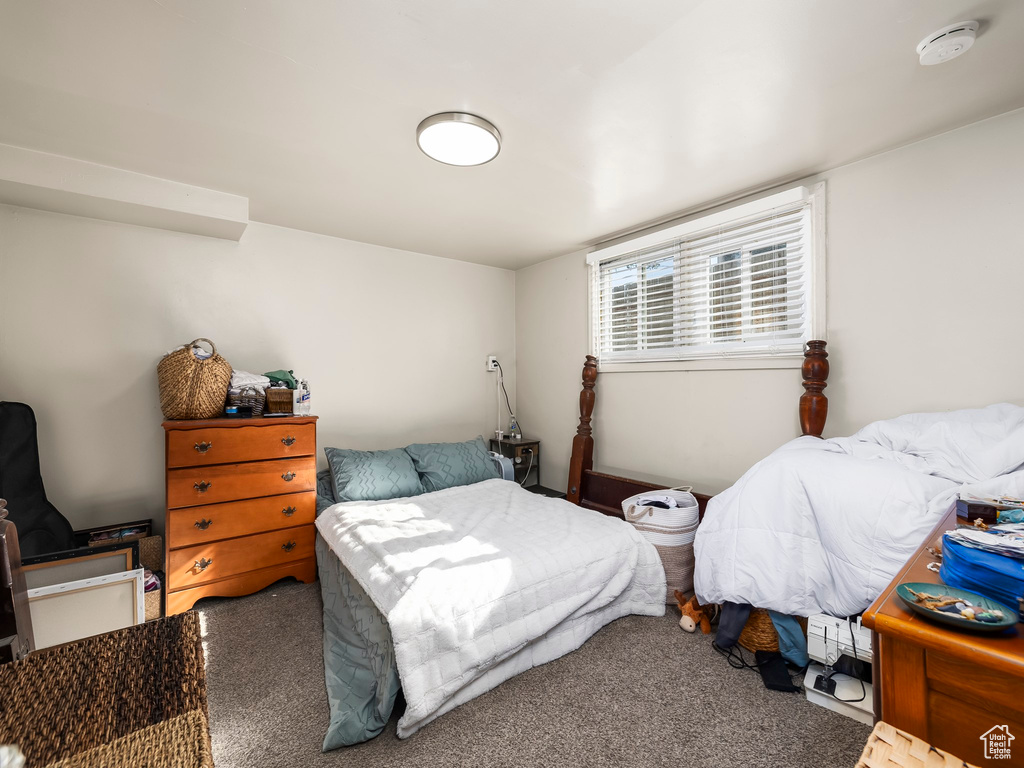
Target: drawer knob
288 546
288 476
288 440
202 487
202 564
203 524
203 447
288 511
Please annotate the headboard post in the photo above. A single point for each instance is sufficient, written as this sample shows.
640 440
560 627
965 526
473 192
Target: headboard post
813 403
583 444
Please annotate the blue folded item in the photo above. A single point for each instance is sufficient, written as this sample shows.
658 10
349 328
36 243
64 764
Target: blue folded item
995 576
792 642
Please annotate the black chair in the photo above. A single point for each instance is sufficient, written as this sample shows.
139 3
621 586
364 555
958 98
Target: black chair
41 528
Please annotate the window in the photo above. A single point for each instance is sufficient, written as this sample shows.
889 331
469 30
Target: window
745 283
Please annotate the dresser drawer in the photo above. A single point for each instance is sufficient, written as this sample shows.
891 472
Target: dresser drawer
222 445
211 522
222 559
231 482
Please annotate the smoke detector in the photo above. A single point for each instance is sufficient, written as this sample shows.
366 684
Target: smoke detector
947 43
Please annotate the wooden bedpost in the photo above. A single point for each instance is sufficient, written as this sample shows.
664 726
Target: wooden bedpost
583 444
813 403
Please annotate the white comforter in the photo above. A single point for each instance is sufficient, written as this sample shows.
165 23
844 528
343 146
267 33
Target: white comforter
482 582
824 525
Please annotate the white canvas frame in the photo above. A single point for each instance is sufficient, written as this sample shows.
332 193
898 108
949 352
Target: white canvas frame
62 613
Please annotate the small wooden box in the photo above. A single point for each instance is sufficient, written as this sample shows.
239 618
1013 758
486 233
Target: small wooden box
279 400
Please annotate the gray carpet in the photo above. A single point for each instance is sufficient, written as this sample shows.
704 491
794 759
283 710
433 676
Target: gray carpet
641 692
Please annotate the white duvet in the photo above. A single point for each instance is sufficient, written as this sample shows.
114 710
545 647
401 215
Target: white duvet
825 525
479 583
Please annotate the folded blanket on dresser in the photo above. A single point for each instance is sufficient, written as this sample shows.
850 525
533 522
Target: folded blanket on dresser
822 526
482 582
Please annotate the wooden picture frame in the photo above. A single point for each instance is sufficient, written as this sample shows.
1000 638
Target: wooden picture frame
78 564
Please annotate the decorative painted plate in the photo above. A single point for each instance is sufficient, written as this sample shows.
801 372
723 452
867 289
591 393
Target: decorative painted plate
955 619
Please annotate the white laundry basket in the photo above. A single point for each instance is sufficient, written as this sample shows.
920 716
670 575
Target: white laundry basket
671 531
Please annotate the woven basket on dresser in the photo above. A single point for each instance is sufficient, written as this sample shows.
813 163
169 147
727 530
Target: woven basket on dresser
279 399
191 388
889 747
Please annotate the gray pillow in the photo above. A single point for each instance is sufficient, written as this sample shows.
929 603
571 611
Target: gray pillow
445 465
372 475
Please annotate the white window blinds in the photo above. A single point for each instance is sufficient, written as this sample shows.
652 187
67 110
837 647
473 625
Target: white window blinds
725 287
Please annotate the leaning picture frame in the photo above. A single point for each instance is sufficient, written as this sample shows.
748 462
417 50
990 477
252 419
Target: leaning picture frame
68 611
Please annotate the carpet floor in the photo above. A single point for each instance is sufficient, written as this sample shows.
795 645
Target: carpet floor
641 692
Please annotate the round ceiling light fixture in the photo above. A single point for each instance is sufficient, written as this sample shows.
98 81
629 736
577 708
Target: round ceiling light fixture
458 138
947 43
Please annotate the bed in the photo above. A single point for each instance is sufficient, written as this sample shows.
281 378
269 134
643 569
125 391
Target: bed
537 576
447 593
822 526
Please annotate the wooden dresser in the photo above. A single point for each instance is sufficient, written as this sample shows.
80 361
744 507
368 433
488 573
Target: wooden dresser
241 500
944 686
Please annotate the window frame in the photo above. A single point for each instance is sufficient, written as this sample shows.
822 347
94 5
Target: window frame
816 238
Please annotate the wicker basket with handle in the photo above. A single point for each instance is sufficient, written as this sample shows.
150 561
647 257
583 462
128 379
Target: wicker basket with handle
191 388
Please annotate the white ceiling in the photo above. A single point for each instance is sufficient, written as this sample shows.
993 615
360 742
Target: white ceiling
612 113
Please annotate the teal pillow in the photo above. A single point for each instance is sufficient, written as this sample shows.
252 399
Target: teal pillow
445 465
372 475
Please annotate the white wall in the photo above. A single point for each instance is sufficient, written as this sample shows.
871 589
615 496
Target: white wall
925 264
393 343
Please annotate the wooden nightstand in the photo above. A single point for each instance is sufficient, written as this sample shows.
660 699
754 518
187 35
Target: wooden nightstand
525 455
944 686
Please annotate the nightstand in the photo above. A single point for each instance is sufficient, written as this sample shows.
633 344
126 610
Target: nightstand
525 456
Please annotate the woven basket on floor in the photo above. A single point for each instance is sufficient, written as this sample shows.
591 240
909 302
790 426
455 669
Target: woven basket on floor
71 700
889 747
191 388
759 632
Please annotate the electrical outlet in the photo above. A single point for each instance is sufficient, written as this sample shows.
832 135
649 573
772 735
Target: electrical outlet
492 362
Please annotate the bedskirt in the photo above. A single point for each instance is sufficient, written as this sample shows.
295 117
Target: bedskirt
359 657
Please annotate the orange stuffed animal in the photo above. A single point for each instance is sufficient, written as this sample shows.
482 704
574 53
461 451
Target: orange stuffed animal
693 614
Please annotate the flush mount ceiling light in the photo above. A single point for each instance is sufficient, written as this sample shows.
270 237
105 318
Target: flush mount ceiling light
458 138
947 43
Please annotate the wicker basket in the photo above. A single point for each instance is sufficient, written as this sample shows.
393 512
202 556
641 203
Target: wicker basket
759 632
151 552
279 399
191 388
153 604
80 701
889 747
249 397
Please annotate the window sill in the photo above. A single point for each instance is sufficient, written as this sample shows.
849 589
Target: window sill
711 364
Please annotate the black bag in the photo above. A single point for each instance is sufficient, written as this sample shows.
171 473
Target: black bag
41 528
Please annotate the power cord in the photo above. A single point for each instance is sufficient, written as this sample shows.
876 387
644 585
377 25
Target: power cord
863 690
528 469
501 381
